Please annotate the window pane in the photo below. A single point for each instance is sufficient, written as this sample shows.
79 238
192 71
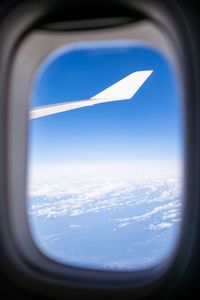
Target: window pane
105 180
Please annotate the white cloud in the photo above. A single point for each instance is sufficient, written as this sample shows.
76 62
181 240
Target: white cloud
123 225
150 213
50 238
160 226
76 226
75 197
165 194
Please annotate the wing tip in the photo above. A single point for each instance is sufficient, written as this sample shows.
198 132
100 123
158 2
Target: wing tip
147 72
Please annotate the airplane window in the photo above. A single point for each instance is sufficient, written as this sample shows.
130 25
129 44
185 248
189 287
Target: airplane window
105 171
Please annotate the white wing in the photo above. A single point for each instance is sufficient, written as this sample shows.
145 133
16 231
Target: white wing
124 89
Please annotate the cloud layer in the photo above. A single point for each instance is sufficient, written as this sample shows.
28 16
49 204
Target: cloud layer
141 212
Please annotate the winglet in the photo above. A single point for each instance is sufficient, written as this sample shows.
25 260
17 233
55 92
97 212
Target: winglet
125 88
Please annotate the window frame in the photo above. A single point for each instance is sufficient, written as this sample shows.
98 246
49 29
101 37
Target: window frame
18 257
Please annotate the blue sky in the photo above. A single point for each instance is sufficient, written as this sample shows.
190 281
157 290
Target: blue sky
147 128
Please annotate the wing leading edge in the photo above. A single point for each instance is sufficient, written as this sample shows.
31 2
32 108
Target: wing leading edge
124 89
